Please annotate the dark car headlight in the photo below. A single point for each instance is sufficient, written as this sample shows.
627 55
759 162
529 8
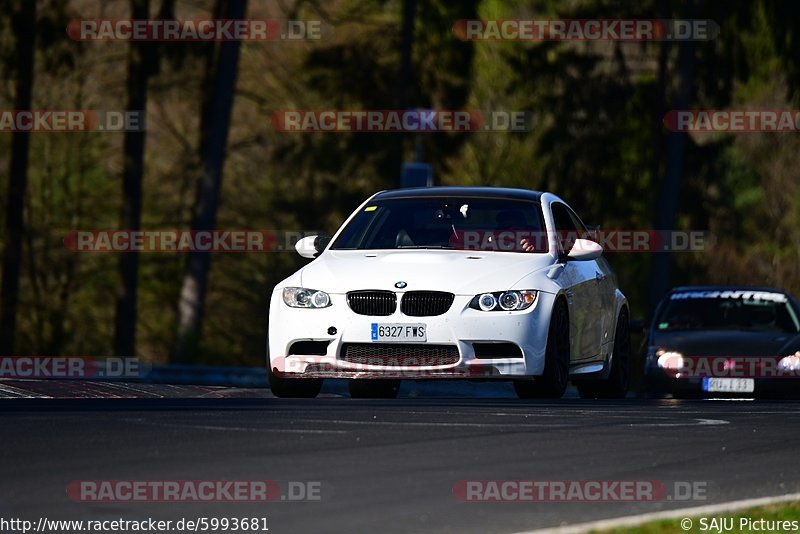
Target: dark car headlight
790 363
670 360
511 300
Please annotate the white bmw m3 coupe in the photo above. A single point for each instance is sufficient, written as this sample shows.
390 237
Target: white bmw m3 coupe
451 282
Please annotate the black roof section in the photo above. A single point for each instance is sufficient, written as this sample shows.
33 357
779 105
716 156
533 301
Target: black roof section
480 192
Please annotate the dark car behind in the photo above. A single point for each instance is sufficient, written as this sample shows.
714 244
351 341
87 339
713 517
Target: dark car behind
715 341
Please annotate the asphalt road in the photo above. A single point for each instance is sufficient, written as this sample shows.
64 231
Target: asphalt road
388 466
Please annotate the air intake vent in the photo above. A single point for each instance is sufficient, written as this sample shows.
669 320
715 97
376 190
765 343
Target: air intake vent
380 303
309 348
497 350
426 303
399 354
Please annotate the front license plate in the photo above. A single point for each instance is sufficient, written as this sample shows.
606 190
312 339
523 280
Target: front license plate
398 332
729 385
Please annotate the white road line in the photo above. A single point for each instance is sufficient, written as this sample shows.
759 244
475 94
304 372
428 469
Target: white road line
267 430
512 425
19 392
271 430
635 520
699 422
435 424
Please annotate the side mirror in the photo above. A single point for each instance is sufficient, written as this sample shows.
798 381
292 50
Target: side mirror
305 247
321 242
312 246
584 250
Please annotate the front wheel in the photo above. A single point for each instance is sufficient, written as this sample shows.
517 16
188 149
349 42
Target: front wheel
553 382
616 385
293 388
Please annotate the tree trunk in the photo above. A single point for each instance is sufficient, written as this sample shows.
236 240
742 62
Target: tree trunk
221 69
131 215
24 28
669 191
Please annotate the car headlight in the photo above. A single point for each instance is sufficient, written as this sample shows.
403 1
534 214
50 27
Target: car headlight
790 363
670 360
511 300
302 297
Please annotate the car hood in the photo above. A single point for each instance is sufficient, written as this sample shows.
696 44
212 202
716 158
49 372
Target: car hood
727 343
459 272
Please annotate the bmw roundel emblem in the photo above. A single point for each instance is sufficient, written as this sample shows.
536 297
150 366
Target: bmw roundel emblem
400 285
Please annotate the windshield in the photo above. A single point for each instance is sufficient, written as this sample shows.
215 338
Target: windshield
446 223
728 310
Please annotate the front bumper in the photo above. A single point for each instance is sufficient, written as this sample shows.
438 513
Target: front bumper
460 327
659 382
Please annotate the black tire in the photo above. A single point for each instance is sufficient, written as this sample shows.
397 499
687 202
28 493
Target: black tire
293 388
618 381
361 388
553 382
